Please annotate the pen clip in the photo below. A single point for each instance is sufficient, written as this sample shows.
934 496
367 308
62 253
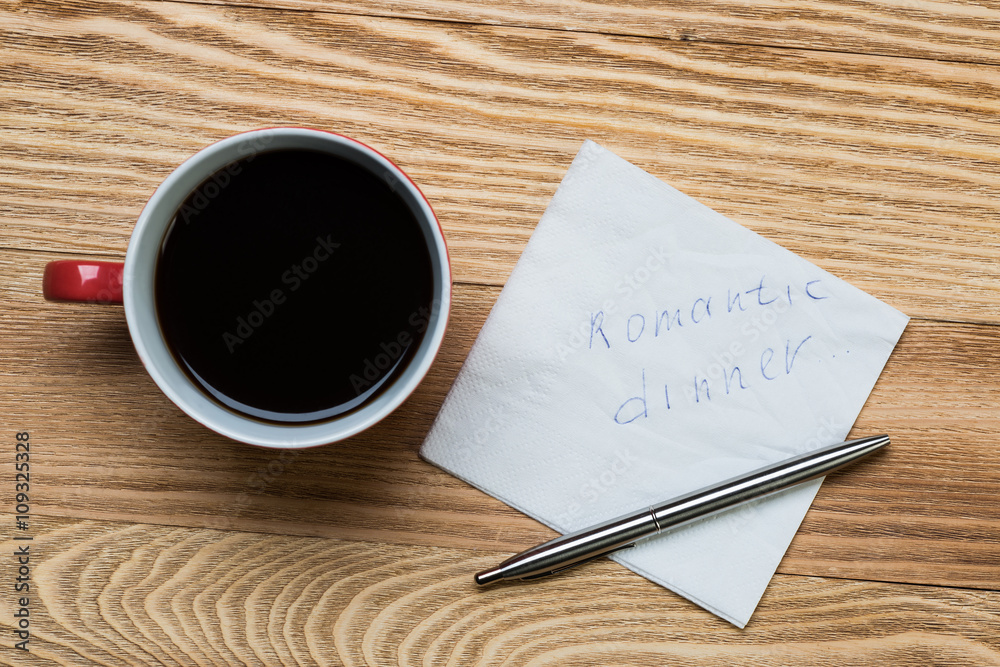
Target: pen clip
577 563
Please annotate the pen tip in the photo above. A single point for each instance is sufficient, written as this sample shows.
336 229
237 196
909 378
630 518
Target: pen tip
489 576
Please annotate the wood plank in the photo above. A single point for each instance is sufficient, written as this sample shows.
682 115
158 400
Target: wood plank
108 445
115 594
939 30
882 170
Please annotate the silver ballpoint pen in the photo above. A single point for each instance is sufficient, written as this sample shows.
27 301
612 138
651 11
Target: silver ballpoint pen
573 549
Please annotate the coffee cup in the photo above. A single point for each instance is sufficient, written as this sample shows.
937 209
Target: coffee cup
285 287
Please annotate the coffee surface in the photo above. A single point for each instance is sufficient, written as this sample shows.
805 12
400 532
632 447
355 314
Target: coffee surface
293 286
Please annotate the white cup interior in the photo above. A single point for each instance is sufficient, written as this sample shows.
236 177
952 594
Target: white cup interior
140 311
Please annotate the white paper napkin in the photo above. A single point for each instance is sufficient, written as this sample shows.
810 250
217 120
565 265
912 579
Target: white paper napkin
646 346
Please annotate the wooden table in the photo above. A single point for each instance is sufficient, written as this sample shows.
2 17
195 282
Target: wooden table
863 136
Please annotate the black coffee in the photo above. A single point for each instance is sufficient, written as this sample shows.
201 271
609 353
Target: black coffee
294 286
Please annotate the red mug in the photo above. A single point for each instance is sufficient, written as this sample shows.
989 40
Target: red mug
132 283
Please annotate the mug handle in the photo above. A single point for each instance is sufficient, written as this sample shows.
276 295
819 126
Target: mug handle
83 280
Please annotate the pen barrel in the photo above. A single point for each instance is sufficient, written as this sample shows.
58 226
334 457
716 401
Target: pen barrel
763 482
575 548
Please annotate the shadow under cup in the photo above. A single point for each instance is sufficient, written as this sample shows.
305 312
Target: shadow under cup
287 287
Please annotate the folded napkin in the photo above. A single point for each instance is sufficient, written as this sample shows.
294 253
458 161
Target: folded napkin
646 346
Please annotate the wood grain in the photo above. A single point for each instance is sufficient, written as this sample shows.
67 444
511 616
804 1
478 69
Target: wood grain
882 170
119 594
940 30
111 446
866 141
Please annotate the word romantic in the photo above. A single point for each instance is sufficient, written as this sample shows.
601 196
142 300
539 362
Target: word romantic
701 311
264 308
